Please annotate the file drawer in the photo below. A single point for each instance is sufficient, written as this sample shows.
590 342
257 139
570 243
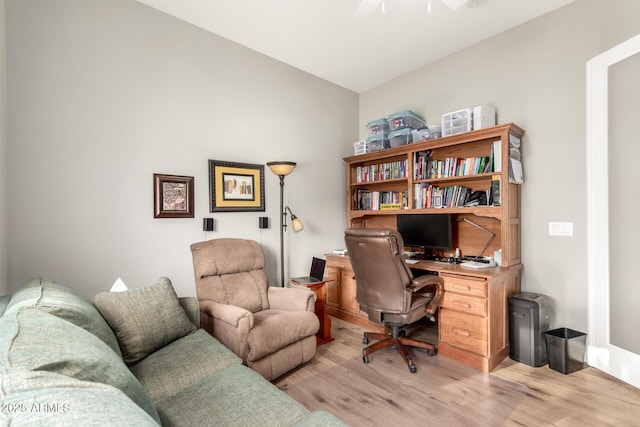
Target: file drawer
464 331
465 304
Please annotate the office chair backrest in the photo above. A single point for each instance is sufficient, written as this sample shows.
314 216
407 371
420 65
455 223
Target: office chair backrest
381 273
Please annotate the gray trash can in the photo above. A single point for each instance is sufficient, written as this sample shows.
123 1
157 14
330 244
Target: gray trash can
565 349
528 319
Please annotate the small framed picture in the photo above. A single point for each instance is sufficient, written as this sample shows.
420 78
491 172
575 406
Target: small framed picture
437 201
172 196
236 187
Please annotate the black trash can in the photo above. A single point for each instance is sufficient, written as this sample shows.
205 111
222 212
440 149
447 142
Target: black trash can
529 317
565 349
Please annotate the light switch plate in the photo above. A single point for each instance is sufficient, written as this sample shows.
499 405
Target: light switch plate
564 229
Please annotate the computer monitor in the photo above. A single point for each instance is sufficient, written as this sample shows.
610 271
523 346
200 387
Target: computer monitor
427 231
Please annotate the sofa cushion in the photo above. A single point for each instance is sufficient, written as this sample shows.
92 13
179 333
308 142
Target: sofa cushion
275 329
65 303
38 341
39 398
182 363
235 396
144 319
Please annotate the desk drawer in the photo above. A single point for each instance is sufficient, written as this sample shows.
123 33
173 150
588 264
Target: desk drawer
465 304
463 331
465 285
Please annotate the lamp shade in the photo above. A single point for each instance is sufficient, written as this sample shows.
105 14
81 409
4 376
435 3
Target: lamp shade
296 224
281 168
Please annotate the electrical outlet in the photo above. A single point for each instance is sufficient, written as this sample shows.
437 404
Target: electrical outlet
564 229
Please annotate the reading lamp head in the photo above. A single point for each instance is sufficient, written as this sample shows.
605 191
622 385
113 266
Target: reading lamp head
296 223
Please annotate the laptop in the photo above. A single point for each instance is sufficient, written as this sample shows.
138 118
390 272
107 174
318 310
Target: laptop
316 274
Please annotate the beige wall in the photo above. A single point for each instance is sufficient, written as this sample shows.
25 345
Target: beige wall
3 157
103 94
535 76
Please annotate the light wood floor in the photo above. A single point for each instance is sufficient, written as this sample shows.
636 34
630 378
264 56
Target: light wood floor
587 397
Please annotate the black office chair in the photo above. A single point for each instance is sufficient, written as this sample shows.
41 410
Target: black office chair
387 291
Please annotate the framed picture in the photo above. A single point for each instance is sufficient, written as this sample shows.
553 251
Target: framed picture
236 187
437 201
172 196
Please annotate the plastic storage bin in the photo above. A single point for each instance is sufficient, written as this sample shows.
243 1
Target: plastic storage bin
435 131
457 122
401 137
484 116
565 349
373 143
360 147
377 142
378 126
528 320
405 119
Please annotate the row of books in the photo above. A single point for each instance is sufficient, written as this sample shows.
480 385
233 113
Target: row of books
427 168
364 199
382 171
429 196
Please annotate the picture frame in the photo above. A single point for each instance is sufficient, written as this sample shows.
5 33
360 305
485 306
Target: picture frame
236 187
173 196
437 201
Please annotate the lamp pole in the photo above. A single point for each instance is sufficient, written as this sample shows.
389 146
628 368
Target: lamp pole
282 214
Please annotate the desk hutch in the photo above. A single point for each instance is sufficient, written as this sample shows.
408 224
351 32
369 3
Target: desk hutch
473 318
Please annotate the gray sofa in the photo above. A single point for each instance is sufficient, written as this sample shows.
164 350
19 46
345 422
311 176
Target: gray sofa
130 358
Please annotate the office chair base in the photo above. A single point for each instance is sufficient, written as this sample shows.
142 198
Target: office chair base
398 342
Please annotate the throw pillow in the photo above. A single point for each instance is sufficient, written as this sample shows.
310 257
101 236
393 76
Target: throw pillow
144 319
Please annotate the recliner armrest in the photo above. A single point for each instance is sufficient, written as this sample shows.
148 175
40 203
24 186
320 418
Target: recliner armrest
229 314
437 282
291 299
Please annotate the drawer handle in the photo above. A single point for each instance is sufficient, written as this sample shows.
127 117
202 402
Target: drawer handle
464 288
461 332
461 304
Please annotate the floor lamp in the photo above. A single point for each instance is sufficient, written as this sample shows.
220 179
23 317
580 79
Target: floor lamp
283 169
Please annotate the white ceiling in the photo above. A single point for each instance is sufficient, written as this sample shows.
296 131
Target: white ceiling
351 47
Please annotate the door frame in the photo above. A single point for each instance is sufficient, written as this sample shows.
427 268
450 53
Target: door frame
602 354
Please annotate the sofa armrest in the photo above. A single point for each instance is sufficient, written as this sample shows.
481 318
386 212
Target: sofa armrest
190 305
292 299
4 302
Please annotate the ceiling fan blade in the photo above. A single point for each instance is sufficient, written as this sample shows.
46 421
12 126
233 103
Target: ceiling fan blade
365 9
454 4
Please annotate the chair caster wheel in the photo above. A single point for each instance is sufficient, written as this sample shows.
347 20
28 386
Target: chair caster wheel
365 340
432 352
413 369
366 359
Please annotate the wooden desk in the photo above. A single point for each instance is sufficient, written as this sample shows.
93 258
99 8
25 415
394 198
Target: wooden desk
473 320
324 333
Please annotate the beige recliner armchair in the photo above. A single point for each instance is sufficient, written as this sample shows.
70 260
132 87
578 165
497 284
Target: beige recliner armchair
271 329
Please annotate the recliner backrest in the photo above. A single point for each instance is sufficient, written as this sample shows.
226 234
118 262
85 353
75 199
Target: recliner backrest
231 271
381 274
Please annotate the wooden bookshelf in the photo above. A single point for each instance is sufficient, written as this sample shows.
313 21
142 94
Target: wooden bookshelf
502 220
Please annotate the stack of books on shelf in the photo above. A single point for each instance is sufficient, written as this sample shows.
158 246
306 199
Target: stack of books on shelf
366 200
382 171
427 168
429 196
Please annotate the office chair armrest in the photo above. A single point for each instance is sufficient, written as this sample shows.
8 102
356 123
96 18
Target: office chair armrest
428 280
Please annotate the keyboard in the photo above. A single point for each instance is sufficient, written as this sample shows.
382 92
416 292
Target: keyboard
476 264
